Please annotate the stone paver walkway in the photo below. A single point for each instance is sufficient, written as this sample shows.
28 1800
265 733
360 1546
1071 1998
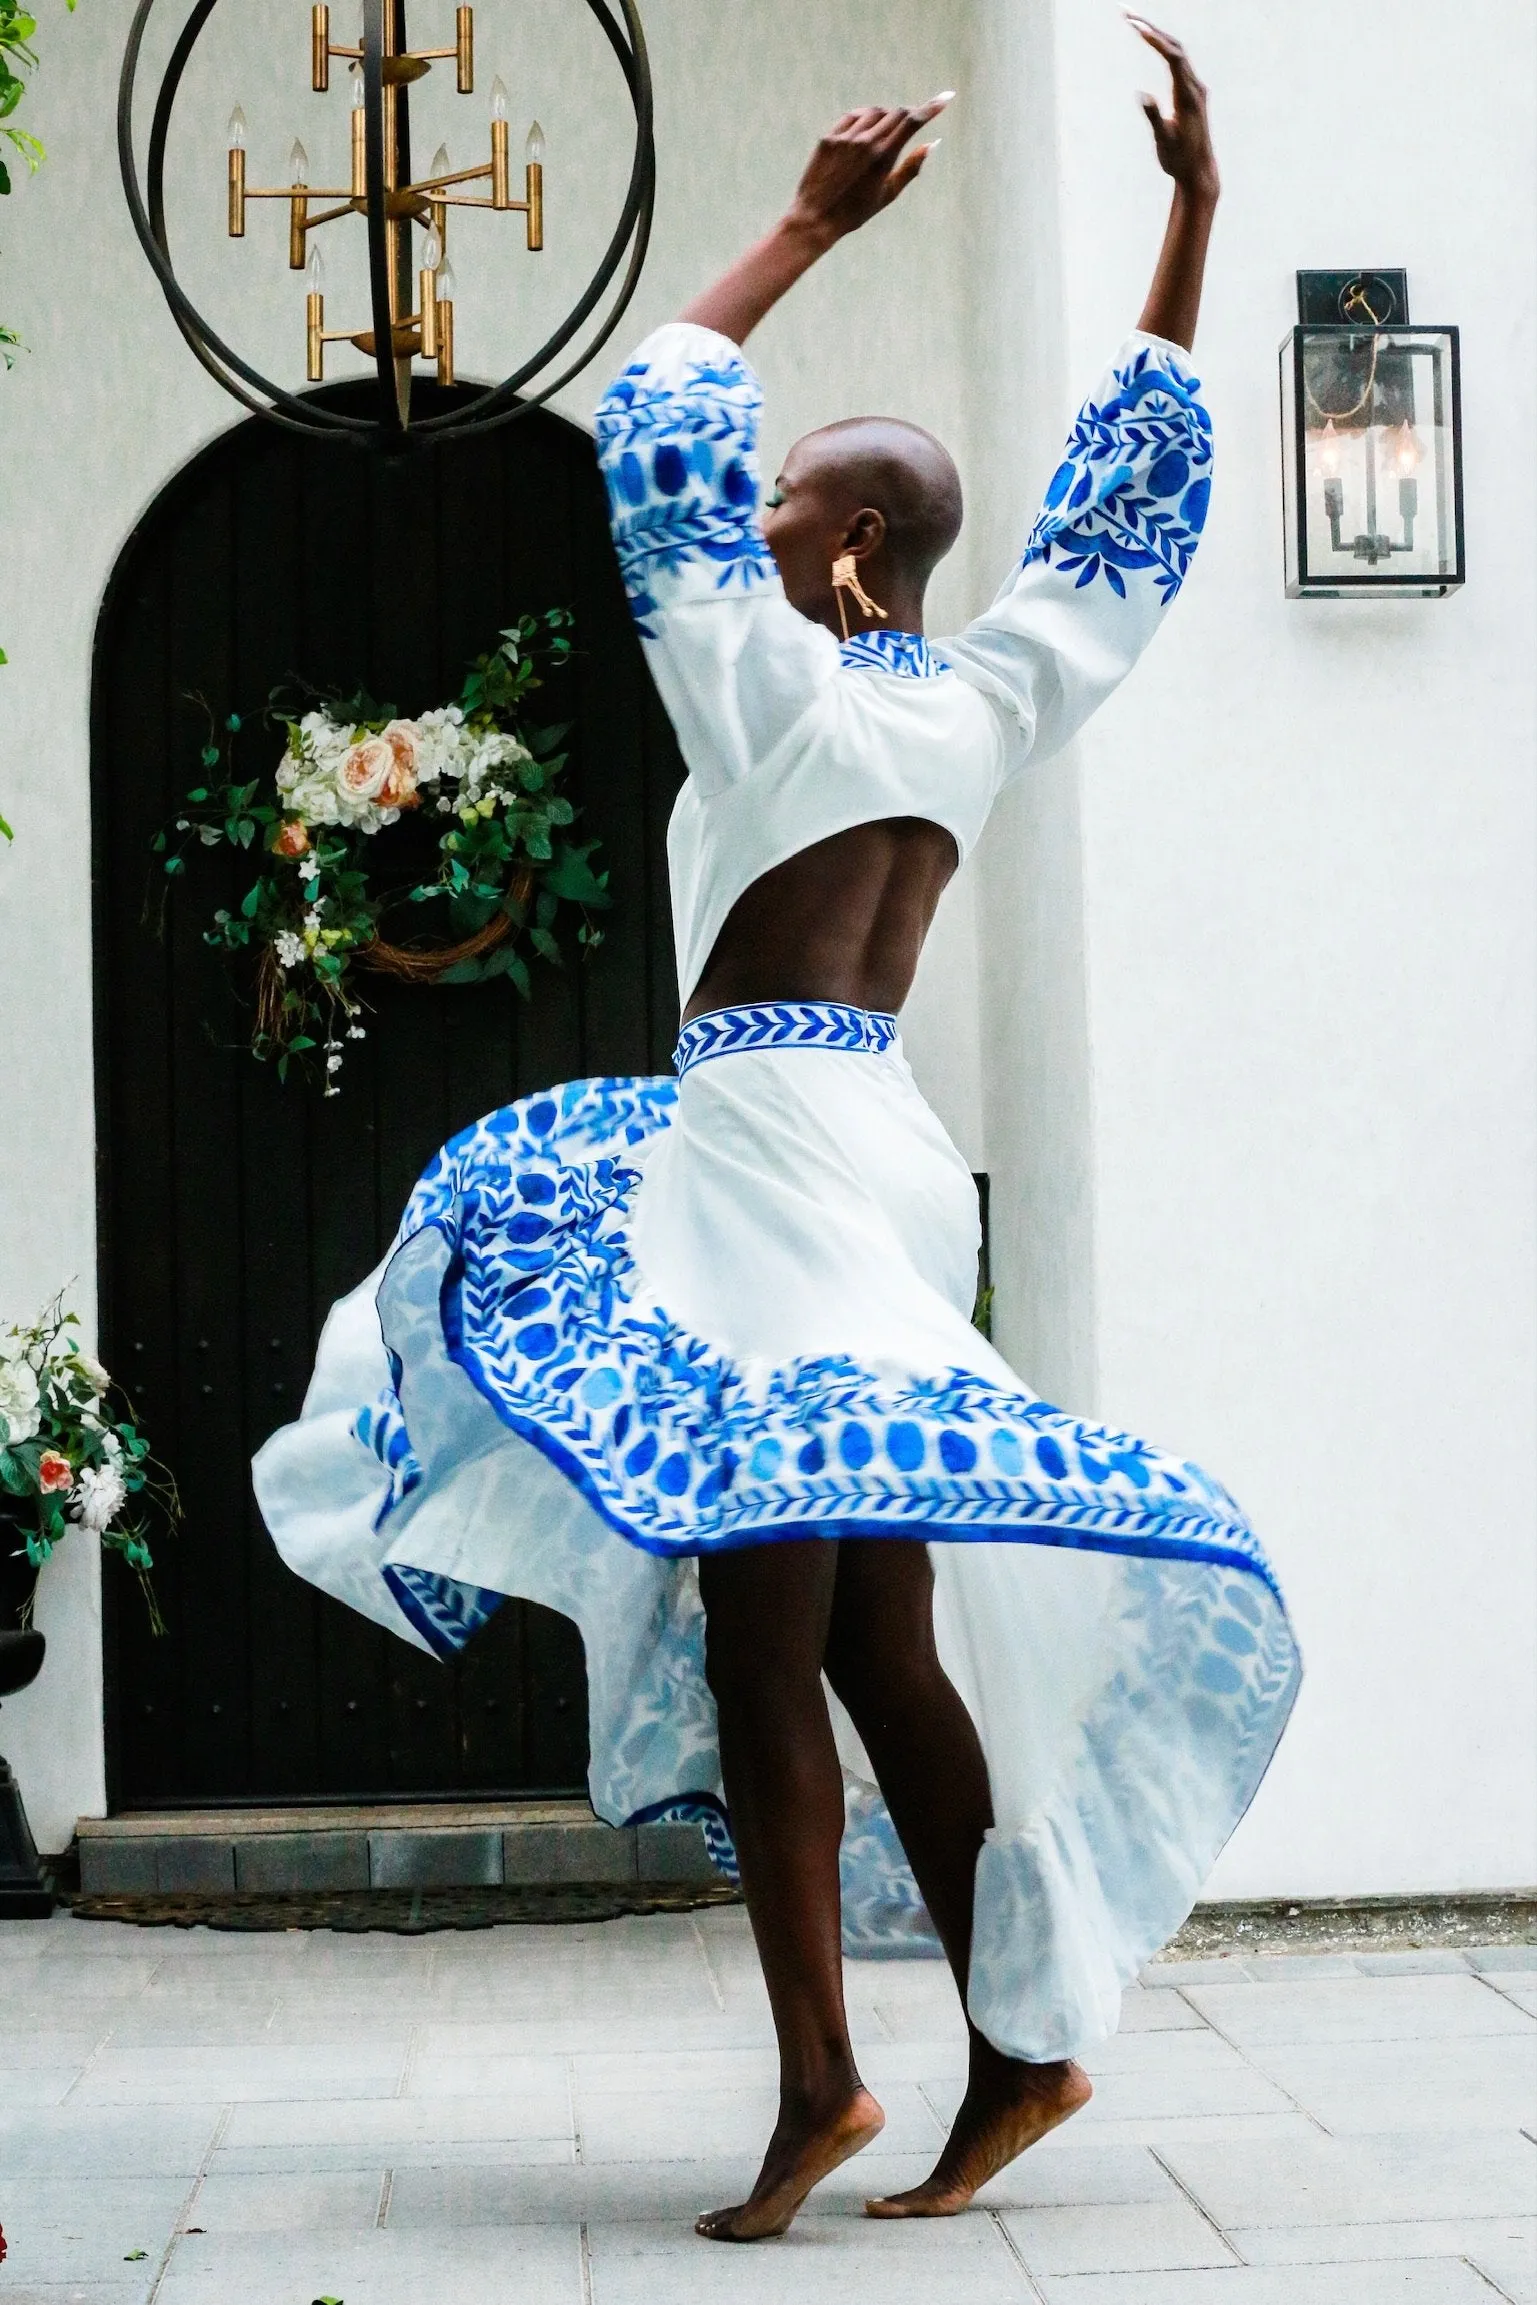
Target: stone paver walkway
533 2116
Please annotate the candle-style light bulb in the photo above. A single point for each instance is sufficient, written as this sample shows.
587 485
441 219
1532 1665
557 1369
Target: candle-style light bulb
1406 450
298 164
533 149
432 253
1329 452
237 130
359 92
441 164
315 273
445 282
498 98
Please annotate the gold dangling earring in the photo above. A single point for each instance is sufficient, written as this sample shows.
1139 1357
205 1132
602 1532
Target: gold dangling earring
846 579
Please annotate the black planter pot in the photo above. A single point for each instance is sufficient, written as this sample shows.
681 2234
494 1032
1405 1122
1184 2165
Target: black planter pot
25 1894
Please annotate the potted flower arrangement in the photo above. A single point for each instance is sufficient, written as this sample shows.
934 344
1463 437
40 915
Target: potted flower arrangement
478 770
71 1456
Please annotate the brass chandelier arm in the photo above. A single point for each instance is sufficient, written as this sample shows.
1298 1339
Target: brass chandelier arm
223 364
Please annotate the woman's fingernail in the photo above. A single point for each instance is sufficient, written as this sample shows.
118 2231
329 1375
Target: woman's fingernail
945 96
929 150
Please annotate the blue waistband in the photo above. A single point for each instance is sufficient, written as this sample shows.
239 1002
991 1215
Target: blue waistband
783 1024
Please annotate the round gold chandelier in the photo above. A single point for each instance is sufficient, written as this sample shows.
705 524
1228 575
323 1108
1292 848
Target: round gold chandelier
412 291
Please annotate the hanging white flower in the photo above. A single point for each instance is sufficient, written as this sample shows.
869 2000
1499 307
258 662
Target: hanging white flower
92 1371
290 949
100 1495
18 1401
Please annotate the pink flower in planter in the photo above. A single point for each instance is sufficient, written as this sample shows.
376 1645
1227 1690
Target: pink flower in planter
54 1472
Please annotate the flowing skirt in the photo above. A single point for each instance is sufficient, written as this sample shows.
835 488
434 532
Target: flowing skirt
629 1322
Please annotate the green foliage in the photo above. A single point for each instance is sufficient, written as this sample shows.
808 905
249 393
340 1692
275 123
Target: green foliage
71 1451
312 912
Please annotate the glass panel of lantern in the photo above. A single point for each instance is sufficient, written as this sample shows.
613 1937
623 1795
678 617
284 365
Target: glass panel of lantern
1371 424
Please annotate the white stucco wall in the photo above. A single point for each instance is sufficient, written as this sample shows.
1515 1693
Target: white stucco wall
1307 868
1235 1001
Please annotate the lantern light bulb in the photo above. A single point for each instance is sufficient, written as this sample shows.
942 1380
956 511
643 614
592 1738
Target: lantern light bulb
237 130
498 98
533 150
359 92
446 282
1329 452
315 272
432 253
441 164
299 163
1406 453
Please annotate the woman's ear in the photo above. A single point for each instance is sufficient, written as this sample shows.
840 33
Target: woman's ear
865 533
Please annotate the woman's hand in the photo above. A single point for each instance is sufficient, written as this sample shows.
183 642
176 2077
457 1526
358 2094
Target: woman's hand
861 166
1183 143
858 169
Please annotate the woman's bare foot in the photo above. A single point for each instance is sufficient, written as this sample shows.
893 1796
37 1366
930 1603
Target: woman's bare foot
1007 2107
802 2151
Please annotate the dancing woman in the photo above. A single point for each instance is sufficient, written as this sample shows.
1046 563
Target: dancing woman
692 1361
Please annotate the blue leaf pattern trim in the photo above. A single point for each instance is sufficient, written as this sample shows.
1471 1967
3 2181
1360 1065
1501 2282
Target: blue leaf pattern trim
679 457
1131 494
907 654
783 1024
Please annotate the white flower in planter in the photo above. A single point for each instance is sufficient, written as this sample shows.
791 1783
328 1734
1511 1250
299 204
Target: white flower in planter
18 1401
100 1495
92 1371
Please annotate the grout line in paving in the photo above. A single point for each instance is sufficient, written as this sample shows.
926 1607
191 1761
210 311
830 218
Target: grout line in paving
576 2118
184 2213
881 2018
709 1965
1241 2053
1013 2248
1489 2278
1197 2205
90 2064
940 2122
1494 1987
409 2061
584 2259
386 2188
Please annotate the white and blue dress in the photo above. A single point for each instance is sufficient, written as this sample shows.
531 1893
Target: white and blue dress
629 1322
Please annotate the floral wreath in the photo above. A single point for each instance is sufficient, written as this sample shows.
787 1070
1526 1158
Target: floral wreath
67 1456
350 768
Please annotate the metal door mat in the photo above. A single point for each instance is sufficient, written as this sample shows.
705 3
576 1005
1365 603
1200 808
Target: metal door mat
402 1912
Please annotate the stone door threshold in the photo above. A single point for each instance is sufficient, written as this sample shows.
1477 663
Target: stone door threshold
426 1845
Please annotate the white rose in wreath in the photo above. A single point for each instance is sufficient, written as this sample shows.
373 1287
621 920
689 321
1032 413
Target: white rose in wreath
18 1402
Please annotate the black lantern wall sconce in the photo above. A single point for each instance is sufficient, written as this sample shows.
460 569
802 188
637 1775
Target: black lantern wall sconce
411 287
1371 444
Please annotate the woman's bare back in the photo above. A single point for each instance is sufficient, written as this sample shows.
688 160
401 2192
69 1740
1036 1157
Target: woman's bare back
844 921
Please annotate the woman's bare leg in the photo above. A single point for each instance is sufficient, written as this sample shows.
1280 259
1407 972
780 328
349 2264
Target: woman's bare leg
924 1749
767 1611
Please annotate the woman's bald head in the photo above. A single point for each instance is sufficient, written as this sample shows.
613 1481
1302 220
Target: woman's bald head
887 491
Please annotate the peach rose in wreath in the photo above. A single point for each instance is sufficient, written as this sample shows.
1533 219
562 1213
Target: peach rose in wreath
54 1472
399 787
365 768
291 839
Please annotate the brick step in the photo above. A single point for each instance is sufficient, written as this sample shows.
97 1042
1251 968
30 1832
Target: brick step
473 1845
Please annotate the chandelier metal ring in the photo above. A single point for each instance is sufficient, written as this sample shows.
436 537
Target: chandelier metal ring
497 404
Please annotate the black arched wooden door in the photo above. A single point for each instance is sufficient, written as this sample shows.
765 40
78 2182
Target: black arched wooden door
234 1210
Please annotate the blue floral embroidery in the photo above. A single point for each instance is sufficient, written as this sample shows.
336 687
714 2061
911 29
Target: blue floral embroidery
783 1024
678 1449
679 455
905 653
1133 490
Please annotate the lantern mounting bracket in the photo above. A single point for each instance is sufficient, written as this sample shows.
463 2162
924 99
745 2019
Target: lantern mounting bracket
1373 296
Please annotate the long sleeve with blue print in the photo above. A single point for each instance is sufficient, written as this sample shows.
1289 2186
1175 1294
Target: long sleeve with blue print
677 437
